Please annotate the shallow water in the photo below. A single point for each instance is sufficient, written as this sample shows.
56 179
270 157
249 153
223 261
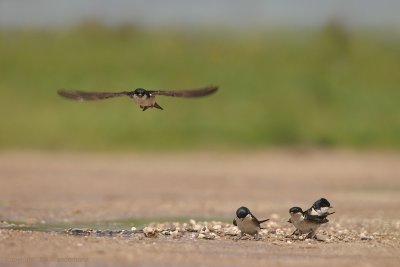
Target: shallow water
115 225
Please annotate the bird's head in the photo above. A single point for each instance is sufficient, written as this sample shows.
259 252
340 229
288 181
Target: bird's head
321 203
242 212
140 92
295 210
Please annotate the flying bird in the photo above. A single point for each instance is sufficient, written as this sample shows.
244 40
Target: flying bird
144 98
308 222
247 222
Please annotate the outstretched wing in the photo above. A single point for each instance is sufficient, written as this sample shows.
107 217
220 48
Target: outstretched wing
87 96
187 93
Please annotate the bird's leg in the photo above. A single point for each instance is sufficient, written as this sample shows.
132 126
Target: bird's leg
240 237
257 237
144 108
311 234
295 231
157 106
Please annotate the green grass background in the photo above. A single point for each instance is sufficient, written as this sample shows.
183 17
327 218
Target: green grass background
328 87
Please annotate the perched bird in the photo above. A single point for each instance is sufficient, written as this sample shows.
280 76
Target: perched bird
247 222
320 207
308 222
144 98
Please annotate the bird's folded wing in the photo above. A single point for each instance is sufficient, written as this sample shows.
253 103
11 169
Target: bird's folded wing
256 221
234 222
316 218
85 96
187 92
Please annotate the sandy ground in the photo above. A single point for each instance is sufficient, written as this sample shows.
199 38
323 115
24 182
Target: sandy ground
363 187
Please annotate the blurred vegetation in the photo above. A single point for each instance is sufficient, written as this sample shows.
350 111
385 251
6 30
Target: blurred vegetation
330 87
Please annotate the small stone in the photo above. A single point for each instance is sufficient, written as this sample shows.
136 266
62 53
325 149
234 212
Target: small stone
166 232
201 236
322 238
289 242
264 232
272 224
232 231
175 233
213 236
205 230
133 228
149 232
365 237
76 231
275 216
217 227
192 222
197 227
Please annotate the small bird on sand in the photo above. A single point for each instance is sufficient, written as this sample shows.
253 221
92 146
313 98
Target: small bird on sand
247 222
320 207
144 98
308 222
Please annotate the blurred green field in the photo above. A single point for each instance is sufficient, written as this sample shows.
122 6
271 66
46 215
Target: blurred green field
330 87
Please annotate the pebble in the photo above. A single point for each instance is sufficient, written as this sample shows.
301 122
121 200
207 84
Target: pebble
217 227
197 227
205 230
322 238
275 216
175 234
166 232
214 236
365 237
149 232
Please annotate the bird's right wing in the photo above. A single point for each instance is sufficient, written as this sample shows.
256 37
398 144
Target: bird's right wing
187 92
87 96
316 218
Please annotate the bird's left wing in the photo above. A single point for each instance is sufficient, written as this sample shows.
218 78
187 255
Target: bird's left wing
87 96
186 92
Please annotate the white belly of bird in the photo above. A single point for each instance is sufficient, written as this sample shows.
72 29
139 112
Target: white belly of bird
145 101
247 226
